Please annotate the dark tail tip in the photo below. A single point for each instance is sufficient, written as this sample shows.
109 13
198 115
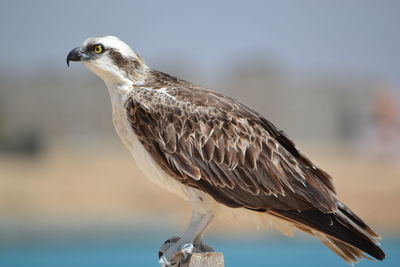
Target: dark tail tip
378 253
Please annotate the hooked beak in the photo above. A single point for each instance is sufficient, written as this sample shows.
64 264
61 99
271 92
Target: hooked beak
76 54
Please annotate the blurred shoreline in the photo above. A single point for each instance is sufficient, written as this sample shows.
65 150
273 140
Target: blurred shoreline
75 189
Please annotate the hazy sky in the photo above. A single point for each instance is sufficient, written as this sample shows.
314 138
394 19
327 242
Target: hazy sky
353 36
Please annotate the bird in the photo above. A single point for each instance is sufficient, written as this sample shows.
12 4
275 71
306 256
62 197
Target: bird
217 152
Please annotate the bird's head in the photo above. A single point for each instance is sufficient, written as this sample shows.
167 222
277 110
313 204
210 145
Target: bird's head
109 58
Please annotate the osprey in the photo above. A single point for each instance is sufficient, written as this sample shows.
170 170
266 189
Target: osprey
215 151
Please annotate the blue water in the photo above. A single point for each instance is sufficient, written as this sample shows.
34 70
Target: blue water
130 252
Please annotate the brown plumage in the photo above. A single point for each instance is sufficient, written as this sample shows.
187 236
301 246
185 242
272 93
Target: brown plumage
220 146
210 148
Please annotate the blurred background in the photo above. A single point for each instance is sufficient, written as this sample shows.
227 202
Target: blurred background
327 72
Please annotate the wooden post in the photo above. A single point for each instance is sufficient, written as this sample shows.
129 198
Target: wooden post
206 259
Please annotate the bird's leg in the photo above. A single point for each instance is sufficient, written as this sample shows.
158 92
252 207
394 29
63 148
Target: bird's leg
200 245
178 249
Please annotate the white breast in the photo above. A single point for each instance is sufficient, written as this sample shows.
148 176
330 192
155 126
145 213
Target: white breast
142 158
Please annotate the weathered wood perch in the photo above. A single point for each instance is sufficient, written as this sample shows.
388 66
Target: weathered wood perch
206 259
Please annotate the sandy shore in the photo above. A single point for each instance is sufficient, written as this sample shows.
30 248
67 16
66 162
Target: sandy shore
105 183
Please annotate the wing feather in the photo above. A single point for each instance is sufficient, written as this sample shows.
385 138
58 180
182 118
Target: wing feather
209 137
220 146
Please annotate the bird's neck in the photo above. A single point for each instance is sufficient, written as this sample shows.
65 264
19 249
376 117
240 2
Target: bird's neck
119 81
120 86
119 91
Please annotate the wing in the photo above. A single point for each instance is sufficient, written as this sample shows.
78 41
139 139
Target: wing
220 146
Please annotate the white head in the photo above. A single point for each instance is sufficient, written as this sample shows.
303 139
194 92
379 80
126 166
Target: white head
109 58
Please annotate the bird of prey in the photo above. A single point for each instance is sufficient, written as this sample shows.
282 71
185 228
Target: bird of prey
215 151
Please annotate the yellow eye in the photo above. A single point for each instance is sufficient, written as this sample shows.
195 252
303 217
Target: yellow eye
98 49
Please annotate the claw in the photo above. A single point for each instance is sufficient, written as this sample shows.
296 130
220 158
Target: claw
186 250
164 262
175 253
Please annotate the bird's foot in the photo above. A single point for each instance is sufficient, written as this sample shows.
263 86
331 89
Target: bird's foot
175 252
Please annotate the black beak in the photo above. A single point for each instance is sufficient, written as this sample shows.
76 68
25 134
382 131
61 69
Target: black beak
76 54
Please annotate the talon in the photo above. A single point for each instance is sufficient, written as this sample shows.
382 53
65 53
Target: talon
187 249
164 262
176 253
173 239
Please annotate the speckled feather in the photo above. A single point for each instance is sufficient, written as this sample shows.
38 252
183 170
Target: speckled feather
220 146
204 139
211 149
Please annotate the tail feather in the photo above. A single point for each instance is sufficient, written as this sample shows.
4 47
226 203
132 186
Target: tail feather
349 253
353 217
343 231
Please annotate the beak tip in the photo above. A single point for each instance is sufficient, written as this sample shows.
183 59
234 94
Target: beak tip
75 55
